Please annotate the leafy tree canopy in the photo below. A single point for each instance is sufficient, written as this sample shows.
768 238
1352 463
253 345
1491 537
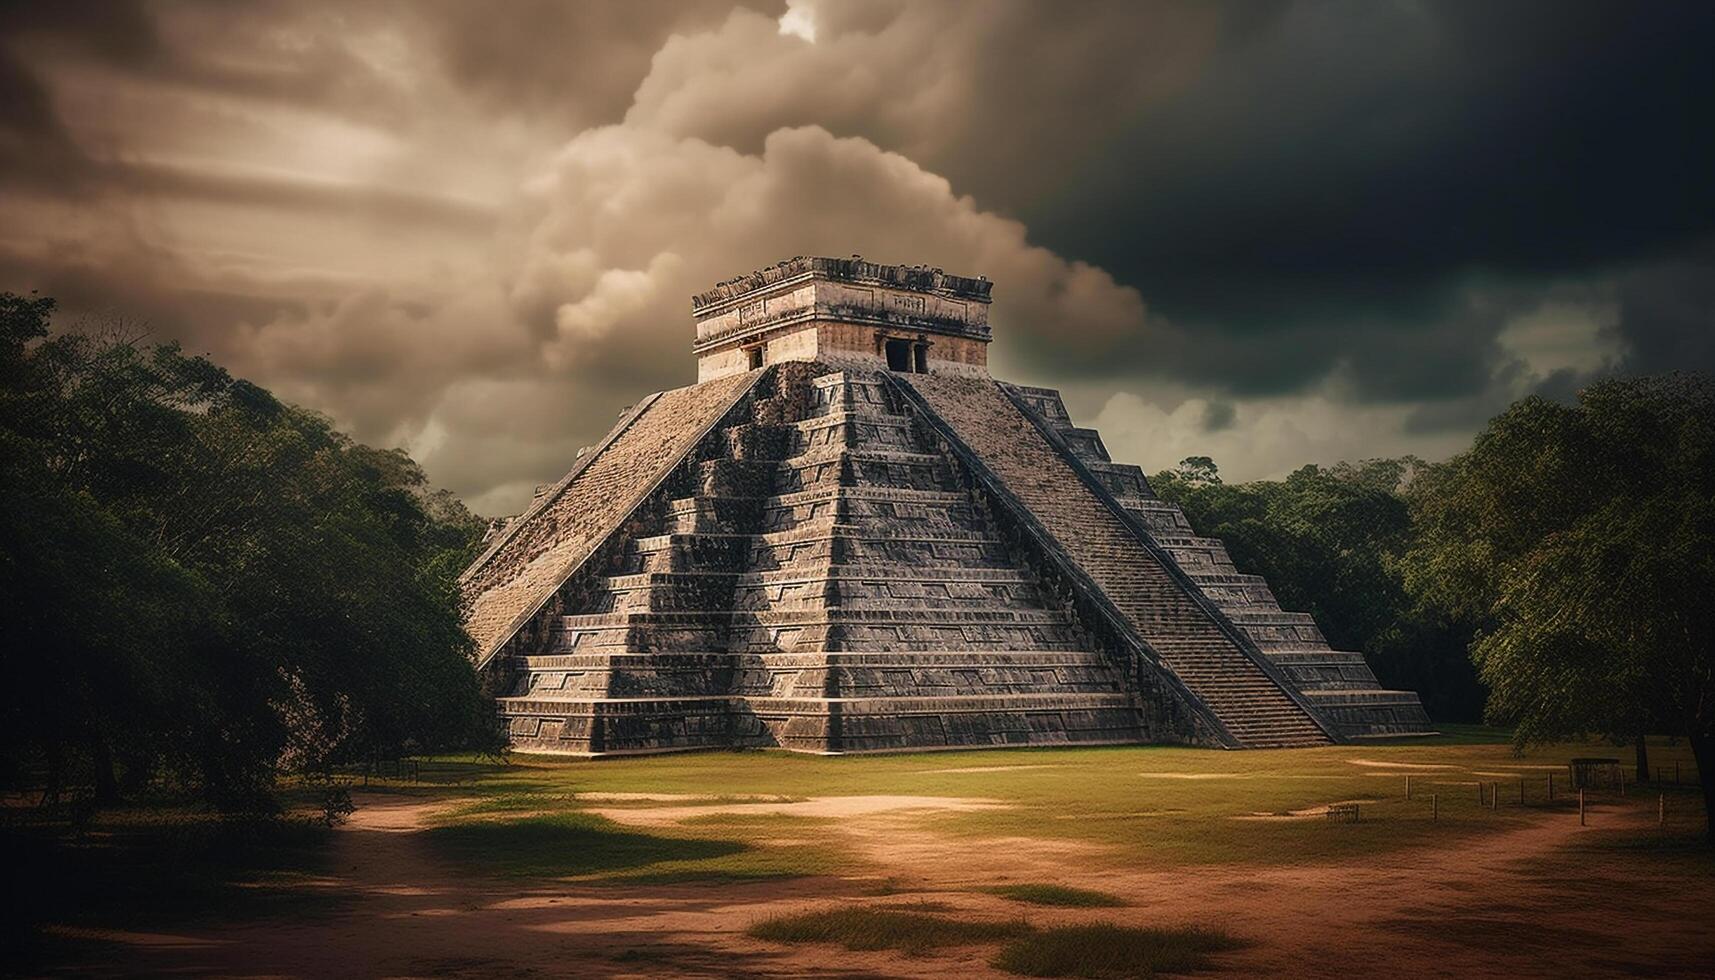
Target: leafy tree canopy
206 585
1583 539
1330 540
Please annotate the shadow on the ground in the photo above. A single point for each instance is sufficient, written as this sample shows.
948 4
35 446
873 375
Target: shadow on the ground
149 871
564 845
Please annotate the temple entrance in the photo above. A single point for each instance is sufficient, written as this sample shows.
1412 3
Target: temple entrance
899 356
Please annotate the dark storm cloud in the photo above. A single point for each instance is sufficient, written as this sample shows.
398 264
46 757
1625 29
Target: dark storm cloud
577 61
1352 164
1283 229
1667 314
1298 188
1218 416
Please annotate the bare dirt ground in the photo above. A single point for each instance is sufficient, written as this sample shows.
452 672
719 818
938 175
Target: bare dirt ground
1516 904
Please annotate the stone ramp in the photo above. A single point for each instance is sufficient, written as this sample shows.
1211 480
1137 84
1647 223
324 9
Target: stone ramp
1206 654
1338 682
537 553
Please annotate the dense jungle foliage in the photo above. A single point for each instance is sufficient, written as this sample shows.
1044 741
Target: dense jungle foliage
204 588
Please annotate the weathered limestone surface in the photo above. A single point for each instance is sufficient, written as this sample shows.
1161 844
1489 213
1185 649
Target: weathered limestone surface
817 581
536 554
843 313
1255 707
850 539
1339 683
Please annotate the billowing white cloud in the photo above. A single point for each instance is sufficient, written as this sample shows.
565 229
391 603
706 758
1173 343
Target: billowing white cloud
634 221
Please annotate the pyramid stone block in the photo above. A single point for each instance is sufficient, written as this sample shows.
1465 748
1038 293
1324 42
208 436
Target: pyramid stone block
847 538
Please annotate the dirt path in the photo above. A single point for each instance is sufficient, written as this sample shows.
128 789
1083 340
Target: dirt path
1511 904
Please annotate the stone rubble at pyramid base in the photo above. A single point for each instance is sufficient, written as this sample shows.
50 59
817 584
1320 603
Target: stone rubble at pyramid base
818 573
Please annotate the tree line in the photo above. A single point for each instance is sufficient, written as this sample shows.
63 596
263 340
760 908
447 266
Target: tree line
1557 578
203 588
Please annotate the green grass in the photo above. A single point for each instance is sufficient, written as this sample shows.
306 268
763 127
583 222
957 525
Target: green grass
1057 895
719 848
877 928
1105 950
502 803
565 845
1154 807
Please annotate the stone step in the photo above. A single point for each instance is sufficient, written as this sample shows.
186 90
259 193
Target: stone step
847 392
878 593
904 494
712 514
1271 617
1120 479
1045 402
1190 643
941 659
804 617
854 467
846 573
1087 443
1316 656
872 433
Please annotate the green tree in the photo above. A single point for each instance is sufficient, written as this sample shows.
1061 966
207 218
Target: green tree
1583 539
1329 540
210 586
1198 471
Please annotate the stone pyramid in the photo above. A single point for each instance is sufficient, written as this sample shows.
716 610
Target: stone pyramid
846 537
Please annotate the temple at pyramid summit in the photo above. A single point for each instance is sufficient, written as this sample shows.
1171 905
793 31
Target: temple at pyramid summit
848 537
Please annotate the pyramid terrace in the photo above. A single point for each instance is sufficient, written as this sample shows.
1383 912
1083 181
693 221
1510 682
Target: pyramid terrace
847 537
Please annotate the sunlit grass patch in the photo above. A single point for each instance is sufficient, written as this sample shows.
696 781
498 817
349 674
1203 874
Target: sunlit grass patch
1098 808
761 823
504 803
1057 895
877 928
920 905
1106 950
747 864
774 846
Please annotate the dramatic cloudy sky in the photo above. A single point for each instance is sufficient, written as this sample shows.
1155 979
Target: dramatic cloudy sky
1268 232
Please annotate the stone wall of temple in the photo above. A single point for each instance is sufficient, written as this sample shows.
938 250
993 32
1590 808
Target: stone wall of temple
1339 683
848 538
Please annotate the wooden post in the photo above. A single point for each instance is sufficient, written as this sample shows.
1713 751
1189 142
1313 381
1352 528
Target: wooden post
1408 787
1434 807
1551 787
1661 810
1622 782
1521 791
1676 774
1580 807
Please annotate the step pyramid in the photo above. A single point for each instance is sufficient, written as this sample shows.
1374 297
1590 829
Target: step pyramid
847 538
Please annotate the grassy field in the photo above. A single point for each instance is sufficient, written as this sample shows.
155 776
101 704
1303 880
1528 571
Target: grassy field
1142 806
1051 862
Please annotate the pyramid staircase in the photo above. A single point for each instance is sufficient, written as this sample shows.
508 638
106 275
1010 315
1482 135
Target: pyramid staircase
813 576
1339 683
1254 704
850 561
